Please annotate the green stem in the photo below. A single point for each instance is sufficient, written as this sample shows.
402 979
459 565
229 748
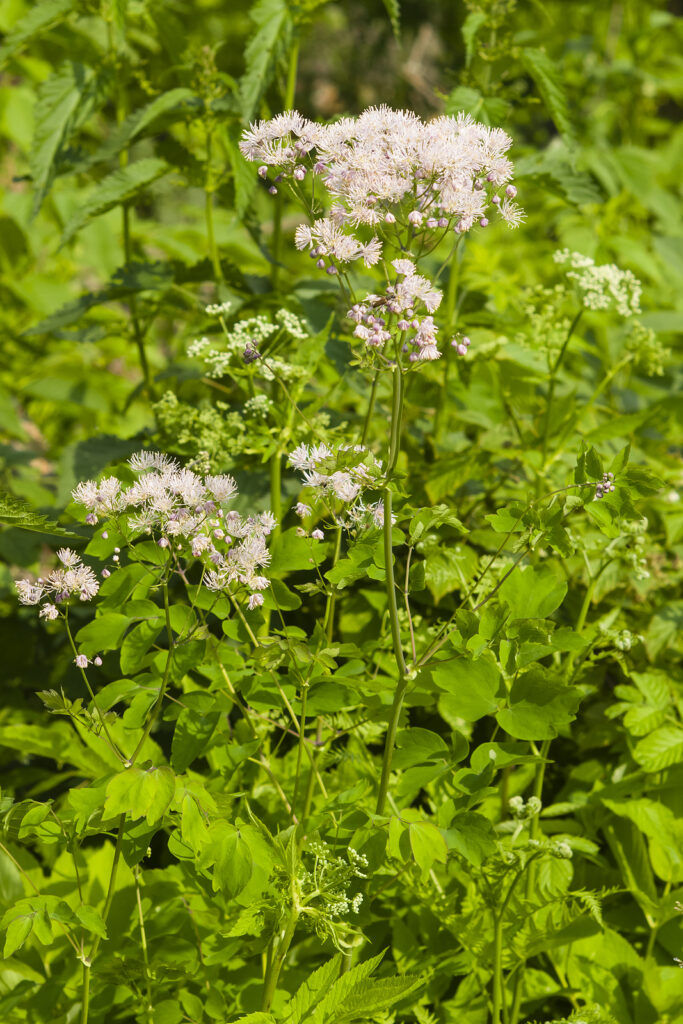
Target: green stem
208 214
85 1002
143 941
278 959
549 401
370 409
156 710
276 491
302 743
402 669
290 91
93 698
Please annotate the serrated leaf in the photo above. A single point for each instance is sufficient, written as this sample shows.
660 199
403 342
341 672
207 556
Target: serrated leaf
272 20
155 113
117 188
312 991
549 84
661 749
59 97
470 26
16 513
40 17
393 9
341 989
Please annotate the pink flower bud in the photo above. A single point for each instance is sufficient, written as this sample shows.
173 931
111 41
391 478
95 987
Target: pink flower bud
415 217
511 191
321 264
389 218
443 222
299 173
483 222
106 574
97 661
272 190
105 535
262 171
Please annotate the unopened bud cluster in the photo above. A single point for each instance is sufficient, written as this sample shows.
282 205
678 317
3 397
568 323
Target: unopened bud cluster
605 486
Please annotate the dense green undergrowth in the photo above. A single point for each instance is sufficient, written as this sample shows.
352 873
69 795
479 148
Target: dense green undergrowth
361 702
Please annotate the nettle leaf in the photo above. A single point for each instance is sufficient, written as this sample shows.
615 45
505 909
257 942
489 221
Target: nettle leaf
227 851
17 513
140 793
176 104
59 98
549 83
472 687
393 9
273 27
533 592
40 18
117 188
540 707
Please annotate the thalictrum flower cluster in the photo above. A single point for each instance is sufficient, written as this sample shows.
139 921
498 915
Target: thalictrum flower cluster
340 477
182 512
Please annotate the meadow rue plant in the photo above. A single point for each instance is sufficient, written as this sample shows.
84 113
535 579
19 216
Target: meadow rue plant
390 732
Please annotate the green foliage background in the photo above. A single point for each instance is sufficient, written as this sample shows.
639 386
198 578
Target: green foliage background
126 209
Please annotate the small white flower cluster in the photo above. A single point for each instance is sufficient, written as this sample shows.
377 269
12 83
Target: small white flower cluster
258 406
218 309
243 344
73 579
387 168
186 511
319 466
330 878
602 286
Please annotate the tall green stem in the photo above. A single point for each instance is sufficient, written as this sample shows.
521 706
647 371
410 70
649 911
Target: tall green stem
290 92
209 190
402 669
156 710
549 400
278 958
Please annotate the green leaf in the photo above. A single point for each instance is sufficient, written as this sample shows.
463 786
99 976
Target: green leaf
59 97
117 188
470 27
428 845
137 643
91 919
140 793
549 83
312 991
533 592
231 858
539 707
16 513
273 26
17 933
40 18
415 746
661 749
193 730
159 112
472 836
393 9
471 687
102 634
